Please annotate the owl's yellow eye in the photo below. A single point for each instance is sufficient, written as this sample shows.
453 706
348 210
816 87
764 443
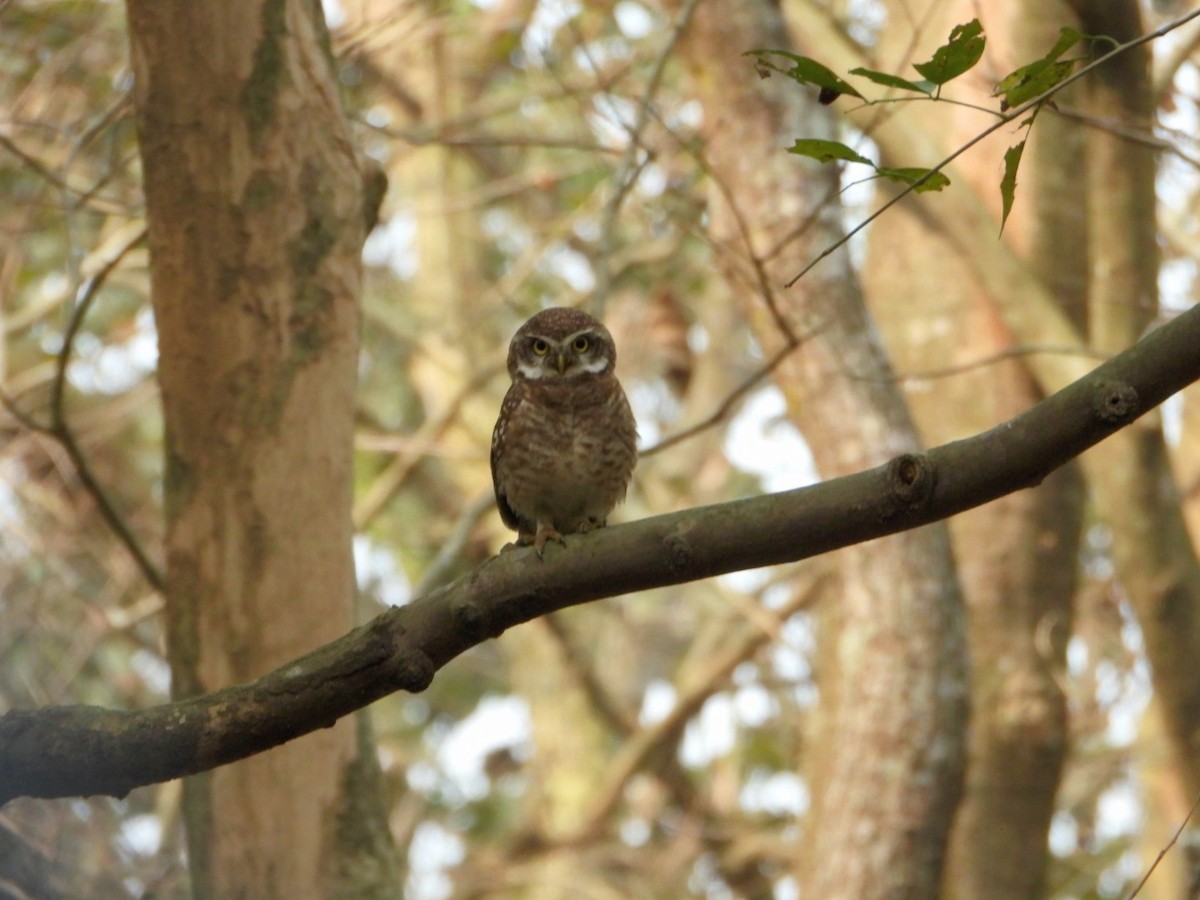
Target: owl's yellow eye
580 344
540 347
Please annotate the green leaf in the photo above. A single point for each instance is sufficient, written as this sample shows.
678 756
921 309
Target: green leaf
1008 184
826 151
1032 80
1041 75
922 180
958 55
804 70
1067 38
883 78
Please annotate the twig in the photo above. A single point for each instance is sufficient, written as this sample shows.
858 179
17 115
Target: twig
1137 136
762 281
400 469
726 406
576 661
992 359
447 557
82 305
107 509
58 428
629 168
645 743
1005 119
1163 852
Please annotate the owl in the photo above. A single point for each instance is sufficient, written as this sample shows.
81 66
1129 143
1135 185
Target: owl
565 444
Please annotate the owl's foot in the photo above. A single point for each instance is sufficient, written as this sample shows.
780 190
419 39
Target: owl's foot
546 533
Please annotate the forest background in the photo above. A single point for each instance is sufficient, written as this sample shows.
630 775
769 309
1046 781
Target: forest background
799 730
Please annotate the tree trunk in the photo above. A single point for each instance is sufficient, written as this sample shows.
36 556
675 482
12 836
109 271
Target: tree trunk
1134 488
1017 555
888 753
255 212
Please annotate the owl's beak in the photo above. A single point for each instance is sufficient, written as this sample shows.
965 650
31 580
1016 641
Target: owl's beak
560 361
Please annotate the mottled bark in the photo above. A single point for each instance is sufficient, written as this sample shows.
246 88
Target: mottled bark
255 213
887 755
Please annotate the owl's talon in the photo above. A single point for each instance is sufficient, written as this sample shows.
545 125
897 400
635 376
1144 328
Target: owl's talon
544 534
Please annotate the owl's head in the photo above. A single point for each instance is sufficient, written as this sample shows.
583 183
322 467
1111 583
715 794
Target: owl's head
561 344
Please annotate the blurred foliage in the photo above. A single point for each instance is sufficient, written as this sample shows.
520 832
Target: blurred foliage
535 158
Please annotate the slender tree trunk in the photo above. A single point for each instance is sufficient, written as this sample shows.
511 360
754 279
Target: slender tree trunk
255 211
888 754
1017 556
1135 491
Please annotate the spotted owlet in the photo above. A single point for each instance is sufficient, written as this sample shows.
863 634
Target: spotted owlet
565 443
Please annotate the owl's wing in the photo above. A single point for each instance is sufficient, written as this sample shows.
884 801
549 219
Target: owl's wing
511 400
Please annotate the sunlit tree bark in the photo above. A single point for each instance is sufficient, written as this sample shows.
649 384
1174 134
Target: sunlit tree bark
256 221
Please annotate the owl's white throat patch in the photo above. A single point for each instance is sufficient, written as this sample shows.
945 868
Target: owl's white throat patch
535 371
532 371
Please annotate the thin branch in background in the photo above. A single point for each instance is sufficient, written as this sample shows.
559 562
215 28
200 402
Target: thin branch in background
629 168
726 406
59 429
480 139
1163 852
647 742
761 282
1165 72
393 478
1140 136
108 511
33 164
992 358
575 660
82 304
442 568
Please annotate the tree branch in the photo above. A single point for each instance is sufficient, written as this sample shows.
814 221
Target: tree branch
74 750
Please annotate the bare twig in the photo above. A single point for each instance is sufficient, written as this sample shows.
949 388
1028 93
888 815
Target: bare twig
575 659
1163 852
726 406
438 571
645 743
59 429
83 303
1139 136
393 478
629 168
993 358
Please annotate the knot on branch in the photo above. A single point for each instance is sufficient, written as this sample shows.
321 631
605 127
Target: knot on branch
473 621
1116 402
414 670
911 477
678 550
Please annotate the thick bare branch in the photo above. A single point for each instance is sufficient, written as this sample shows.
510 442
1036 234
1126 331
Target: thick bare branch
72 750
